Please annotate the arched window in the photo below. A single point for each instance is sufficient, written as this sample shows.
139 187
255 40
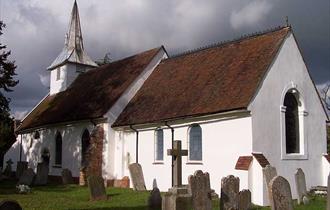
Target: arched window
58 149
159 145
291 123
85 142
195 142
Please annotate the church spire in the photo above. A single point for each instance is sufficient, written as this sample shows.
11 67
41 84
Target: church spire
73 50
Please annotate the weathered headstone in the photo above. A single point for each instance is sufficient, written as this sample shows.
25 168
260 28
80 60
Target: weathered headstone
269 173
177 153
27 177
42 174
96 188
200 190
328 196
154 183
67 176
9 205
244 200
155 199
229 193
280 194
136 172
8 170
177 198
20 168
300 185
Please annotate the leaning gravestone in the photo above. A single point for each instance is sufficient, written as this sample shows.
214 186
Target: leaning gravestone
300 185
155 199
8 169
244 200
280 194
96 188
136 172
229 193
328 196
20 168
200 190
67 176
42 174
269 173
9 205
27 177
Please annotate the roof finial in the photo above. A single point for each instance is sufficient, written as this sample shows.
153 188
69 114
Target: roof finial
287 21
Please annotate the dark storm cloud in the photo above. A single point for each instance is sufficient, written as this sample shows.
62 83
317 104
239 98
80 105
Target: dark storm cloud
35 31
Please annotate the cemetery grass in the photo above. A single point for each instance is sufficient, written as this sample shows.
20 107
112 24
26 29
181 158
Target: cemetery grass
74 197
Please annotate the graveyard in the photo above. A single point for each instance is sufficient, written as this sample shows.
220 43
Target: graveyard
61 197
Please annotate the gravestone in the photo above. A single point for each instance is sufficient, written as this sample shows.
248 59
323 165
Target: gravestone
20 168
200 190
27 177
300 185
328 196
154 183
67 176
155 199
136 172
177 153
269 173
244 200
9 205
177 197
42 174
96 188
280 194
229 193
8 169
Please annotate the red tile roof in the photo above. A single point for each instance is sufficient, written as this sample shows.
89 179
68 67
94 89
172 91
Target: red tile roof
262 160
91 95
243 163
212 80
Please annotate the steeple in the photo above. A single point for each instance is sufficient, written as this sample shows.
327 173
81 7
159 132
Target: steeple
73 60
73 50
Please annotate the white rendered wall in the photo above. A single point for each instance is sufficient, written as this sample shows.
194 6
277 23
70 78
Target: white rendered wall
114 153
71 147
326 171
223 142
69 72
256 183
288 70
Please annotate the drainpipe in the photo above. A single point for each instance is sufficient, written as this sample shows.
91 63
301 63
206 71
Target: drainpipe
20 149
137 144
172 166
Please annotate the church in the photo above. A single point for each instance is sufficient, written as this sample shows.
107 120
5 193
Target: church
236 106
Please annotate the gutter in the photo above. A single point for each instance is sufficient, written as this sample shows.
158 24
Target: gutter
137 144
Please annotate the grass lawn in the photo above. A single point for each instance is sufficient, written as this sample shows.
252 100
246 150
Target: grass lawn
74 197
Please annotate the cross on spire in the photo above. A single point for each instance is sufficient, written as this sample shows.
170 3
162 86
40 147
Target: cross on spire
177 152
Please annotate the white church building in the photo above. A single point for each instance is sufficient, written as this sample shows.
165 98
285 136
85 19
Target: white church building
236 106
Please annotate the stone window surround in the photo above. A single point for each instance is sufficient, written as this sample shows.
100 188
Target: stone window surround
303 154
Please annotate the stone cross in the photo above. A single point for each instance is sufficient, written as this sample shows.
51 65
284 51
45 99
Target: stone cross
280 194
300 184
177 152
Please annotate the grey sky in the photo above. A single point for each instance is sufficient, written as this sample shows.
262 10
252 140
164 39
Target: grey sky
36 28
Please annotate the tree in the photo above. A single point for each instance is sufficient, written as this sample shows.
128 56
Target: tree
7 82
7 72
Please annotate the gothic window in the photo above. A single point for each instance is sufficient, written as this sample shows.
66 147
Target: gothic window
195 142
58 149
58 73
159 145
291 123
85 142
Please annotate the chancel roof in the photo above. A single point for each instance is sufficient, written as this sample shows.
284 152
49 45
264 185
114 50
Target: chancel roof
216 79
91 95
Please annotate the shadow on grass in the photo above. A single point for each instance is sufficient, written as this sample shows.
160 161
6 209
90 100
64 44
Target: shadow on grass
116 208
